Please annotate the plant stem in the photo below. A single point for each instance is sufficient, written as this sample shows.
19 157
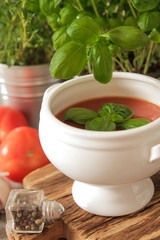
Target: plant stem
79 4
95 8
127 64
24 23
119 63
148 58
154 48
141 59
23 4
89 67
132 9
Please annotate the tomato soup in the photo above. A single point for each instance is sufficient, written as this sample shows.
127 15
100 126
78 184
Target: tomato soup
141 108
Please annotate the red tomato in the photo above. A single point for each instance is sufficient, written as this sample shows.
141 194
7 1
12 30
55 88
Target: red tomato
21 153
10 118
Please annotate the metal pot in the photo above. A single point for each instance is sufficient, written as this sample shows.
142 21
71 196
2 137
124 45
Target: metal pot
22 87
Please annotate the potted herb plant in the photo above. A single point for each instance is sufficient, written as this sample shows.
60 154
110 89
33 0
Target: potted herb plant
25 53
103 36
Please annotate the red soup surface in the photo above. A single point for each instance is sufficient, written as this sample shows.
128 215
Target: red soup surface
141 108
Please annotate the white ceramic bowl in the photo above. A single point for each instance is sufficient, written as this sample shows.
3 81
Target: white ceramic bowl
111 169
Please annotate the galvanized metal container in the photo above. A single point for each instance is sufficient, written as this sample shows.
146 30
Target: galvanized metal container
22 87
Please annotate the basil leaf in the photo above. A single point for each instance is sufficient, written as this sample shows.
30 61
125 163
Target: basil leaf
101 61
127 37
67 14
56 2
68 61
115 112
113 23
149 20
145 5
101 22
113 49
130 21
60 37
154 36
83 13
133 123
100 124
84 30
48 6
53 21
79 115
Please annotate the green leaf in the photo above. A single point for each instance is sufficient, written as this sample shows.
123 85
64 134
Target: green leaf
68 61
133 123
100 124
149 20
154 36
113 23
79 115
101 61
101 22
56 2
32 5
60 37
67 14
84 30
128 37
115 112
145 5
130 21
113 49
83 13
53 21
47 6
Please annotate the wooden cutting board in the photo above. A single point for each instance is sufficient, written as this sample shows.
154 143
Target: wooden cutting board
80 225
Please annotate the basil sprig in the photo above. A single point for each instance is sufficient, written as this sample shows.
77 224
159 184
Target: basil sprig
86 34
115 112
109 117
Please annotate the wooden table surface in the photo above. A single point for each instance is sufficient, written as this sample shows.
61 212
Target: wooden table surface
80 225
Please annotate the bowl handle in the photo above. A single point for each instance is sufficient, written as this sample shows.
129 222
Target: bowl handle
155 153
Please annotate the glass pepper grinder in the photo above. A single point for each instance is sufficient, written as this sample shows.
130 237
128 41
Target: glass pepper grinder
27 211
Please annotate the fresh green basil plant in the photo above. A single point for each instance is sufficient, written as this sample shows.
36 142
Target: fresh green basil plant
110 117
102 36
